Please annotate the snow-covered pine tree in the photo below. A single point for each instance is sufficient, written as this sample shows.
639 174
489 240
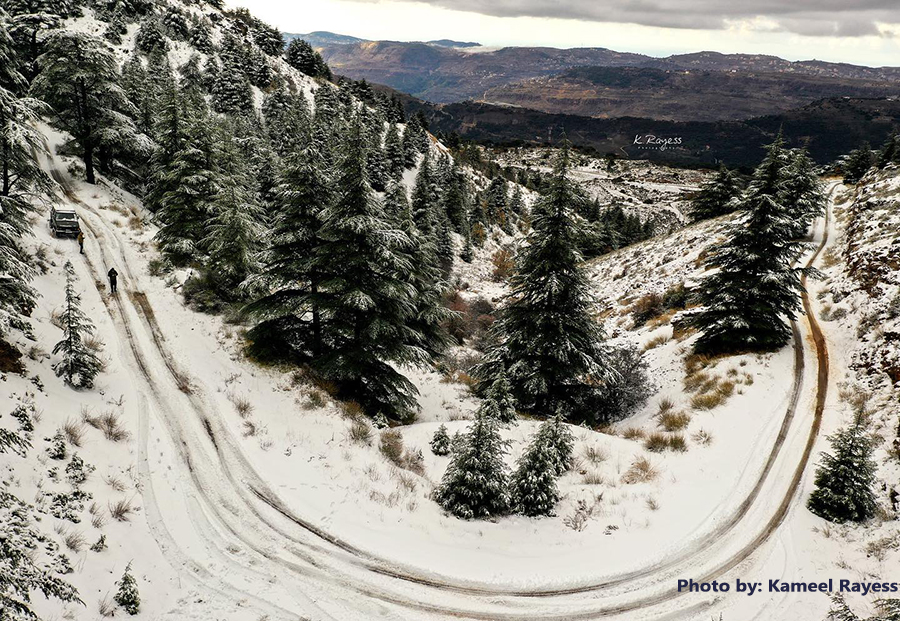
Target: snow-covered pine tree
79 79
548 344
440 442
231 91
430 315
21 180
802 193
717 197
516 202
182 188
393 152
365 293
559 437
287 118
756 287
79 364
234 233
301 56
475 484
845 479
290 320
499 402
495 200
455 199
22 573
127 596
30 23
858 163
425 202
533 484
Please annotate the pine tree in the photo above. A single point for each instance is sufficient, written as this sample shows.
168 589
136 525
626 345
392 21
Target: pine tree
756 287
547 343
496 197
427 321
801 192
716 197
533 484
21 178
290 314
231 92
558 436
845 480
516 202
182 193
127 596
474 485
499 403
858 164
22 572
365 294
393 152
455 200
30 23
440 442
301 56
890 151
79 78
234 233
79 365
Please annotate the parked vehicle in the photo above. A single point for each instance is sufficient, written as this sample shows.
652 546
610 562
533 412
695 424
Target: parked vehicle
64 222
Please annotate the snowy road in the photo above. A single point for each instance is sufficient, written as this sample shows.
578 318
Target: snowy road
217 519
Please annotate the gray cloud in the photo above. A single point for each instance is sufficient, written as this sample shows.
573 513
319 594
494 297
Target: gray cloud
843 18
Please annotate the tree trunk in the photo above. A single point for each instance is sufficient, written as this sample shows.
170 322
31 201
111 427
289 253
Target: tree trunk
89 161
317 324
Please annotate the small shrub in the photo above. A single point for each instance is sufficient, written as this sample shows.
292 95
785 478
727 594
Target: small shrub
77 472
351 409
57 449
106 608
652 503
109 424
640 471
674 421
646 308
503 262
440 442
578 519
676 297
127 596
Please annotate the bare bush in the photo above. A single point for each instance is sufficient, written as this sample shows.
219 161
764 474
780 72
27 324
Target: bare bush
242 404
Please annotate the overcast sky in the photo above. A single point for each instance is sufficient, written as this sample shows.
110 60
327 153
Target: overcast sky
856 31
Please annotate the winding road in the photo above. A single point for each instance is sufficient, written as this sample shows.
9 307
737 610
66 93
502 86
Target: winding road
229 504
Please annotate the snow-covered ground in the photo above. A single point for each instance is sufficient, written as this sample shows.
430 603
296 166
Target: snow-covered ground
251 498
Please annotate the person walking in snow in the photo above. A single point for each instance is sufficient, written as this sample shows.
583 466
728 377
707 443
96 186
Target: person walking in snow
80 242
113 275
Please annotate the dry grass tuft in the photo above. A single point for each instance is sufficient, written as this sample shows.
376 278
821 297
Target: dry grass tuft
74 541
656 341
360 432
592 477
74 432
121 510
674 421
702 437
595 454
633 433
665 405
640 471
242 404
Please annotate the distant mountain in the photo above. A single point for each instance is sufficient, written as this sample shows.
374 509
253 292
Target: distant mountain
452 43
323 38
678 94
445 75
829 128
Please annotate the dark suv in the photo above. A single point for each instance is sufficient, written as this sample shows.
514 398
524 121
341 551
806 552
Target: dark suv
64 222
